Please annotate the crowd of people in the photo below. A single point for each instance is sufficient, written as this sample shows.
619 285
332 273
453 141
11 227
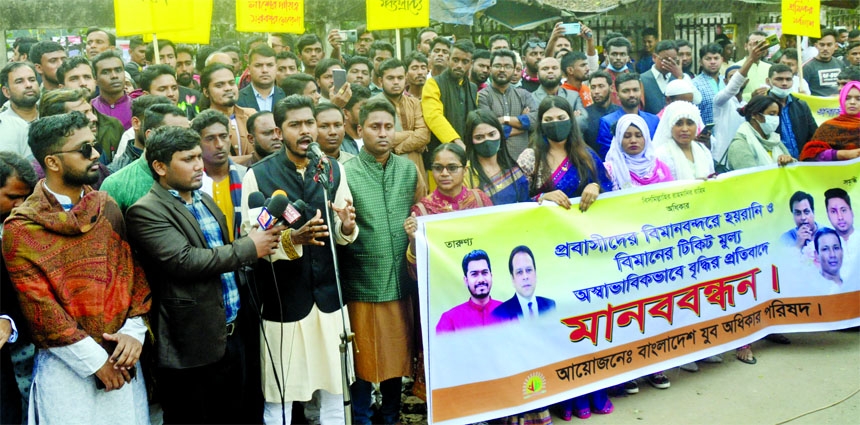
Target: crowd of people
138 266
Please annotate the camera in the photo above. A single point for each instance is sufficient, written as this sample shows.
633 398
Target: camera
348 36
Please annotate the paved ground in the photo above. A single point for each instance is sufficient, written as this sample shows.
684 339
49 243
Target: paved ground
818 370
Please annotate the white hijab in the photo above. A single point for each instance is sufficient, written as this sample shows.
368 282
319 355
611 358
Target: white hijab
621 163
669 152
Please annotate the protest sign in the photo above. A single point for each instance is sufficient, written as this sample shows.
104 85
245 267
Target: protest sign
643 281
395 14
200 31
823 108
270 16
133 17
801 17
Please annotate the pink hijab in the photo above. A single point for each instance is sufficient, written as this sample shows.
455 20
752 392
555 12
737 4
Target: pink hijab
844 94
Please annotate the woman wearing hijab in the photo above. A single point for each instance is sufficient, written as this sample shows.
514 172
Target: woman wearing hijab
675 141
838 139
632 160
757 142
560 165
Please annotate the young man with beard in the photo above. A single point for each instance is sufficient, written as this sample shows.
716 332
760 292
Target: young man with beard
708 81
308 307
515 107
629 92
110 78
685 56
330 125
416 73
133 181
264 135
448 98
63 101
219 88
549 75
131 152
440 55
262 93
222 179
796 123
77 73
47 56
70 239
477 310
352 138
18 83
480 68
376 285
601 93
574 65
822 70
533 53
182 238
185 67
412 134
310 51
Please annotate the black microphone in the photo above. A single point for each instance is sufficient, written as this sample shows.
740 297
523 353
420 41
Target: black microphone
317 153
256 200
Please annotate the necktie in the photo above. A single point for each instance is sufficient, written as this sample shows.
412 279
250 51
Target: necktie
531 310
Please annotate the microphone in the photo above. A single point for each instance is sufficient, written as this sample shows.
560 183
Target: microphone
316 152
256 200
287 212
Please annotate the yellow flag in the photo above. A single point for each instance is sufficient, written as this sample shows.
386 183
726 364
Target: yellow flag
198 34
270 16
394 14
801 17
133 17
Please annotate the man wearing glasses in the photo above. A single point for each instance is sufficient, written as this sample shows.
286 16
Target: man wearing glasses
70 239
514 106
533 52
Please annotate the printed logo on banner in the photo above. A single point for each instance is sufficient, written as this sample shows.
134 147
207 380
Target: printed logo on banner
534 384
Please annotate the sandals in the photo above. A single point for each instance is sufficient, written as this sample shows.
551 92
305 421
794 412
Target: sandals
601 404
751 360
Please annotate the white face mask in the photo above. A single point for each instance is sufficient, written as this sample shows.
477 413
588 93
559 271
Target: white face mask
771 122
780 92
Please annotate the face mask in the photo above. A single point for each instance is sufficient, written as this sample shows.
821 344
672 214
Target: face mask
609 66
771 122
780 92
556 131
488 148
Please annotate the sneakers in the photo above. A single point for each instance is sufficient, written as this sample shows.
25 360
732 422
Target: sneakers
631 387
658 380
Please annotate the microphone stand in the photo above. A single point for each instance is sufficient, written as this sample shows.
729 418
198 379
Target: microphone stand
347 336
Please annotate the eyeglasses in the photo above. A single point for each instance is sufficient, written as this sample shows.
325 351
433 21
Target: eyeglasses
85 149
505 67
533 44
452 168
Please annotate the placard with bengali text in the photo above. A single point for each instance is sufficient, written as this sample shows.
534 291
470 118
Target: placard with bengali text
645 280
394 14
801 17
133 17
270 16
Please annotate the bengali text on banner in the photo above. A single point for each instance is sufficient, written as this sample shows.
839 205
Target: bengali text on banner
643 281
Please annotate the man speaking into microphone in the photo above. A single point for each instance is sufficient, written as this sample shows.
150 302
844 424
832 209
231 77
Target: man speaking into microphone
300 307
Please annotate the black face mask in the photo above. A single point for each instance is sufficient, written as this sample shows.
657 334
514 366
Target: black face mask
488 148
556 131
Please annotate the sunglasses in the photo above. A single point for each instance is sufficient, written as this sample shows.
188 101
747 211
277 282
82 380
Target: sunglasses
452 168
85 149
533 44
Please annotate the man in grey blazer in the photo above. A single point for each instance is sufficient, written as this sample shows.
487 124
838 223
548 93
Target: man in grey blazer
183 241
262 94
